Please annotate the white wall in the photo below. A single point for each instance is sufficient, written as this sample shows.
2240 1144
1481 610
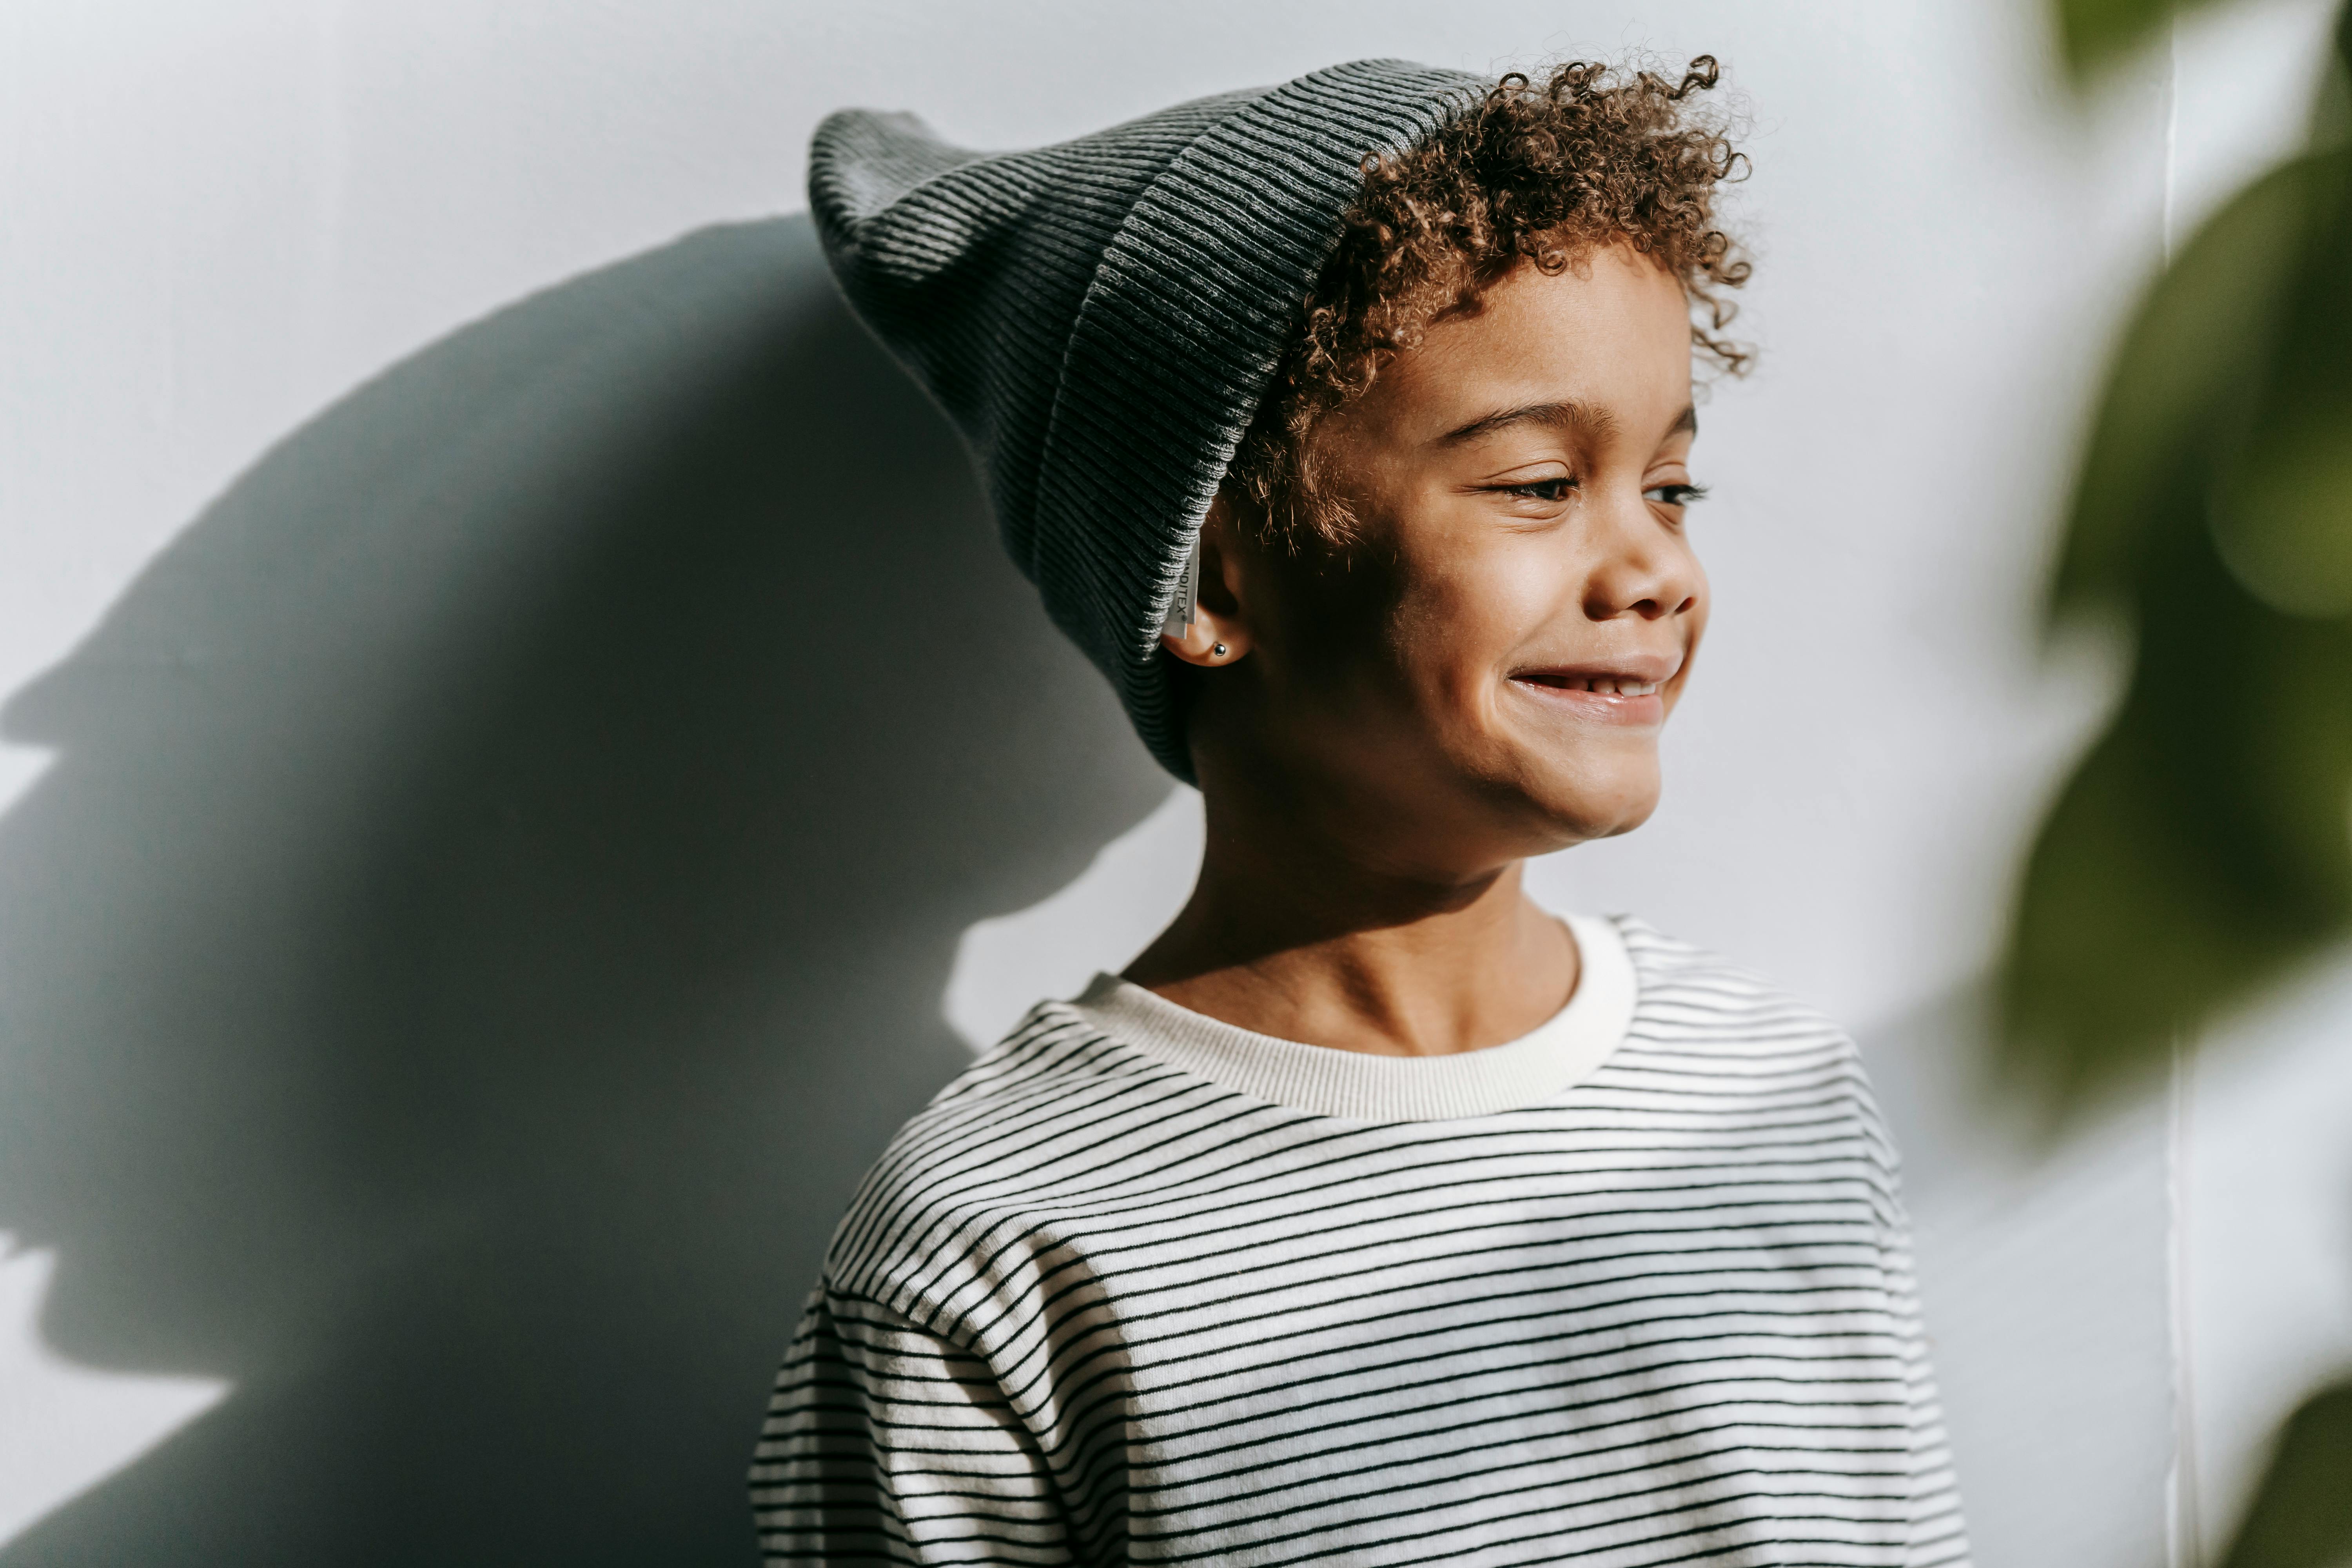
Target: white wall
222 221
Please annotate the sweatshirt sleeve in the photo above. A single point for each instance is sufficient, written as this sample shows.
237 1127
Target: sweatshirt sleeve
1938 1538
1938 1535
885 1443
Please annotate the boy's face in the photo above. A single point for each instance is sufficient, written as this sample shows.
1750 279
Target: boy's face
1486 675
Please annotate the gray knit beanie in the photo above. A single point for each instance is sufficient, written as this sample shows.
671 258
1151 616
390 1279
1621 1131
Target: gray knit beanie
1102 318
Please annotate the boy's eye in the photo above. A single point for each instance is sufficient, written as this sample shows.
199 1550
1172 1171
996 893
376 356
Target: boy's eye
1674 495
1551 490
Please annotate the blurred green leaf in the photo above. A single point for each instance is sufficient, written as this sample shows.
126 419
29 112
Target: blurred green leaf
2200 848
2302 1513
2191 362
2204 843
2285 522
2283 511
2092 32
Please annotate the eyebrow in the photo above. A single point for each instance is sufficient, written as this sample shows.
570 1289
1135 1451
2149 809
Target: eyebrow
1562 415
1567 415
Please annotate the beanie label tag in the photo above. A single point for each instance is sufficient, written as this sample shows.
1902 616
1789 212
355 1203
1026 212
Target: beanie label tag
1186 604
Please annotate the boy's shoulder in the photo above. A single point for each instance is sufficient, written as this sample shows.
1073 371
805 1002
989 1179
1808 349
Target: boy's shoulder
1001 1137
1705 1005
1674 976
1697 1012
1060 1118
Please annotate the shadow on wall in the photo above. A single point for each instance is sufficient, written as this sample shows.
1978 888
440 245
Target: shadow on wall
493 902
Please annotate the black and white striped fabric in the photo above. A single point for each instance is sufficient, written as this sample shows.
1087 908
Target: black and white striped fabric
1094 1308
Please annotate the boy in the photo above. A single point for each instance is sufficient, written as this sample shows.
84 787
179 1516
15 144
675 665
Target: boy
1374 1215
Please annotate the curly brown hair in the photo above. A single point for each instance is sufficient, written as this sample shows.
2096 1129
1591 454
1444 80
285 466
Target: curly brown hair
1545 174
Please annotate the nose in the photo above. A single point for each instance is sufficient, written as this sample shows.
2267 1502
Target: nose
1641 565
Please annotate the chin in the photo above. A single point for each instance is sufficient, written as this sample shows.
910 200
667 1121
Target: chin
1581 808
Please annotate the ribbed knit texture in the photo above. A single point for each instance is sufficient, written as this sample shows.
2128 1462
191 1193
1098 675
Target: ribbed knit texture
1102 318
1094 1309
1529 1070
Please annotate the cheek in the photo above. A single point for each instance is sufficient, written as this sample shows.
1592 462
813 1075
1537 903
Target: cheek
1693 625
1459 626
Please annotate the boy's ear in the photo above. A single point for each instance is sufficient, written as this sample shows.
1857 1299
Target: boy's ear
1219 634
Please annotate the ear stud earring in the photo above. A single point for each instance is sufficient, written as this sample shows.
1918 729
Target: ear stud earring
1219 651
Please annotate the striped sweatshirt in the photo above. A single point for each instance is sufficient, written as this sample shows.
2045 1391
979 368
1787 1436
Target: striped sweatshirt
1142 1287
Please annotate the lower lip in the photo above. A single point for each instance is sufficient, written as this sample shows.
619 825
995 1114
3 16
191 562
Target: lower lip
1599 706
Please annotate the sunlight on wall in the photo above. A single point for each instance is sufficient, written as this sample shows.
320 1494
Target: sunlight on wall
19 767
68 1426
2266 1173
1132 888
263 205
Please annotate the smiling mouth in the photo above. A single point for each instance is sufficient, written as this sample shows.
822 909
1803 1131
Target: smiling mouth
1604 685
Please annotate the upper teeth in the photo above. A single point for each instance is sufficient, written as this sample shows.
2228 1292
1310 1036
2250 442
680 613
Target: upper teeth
1621 688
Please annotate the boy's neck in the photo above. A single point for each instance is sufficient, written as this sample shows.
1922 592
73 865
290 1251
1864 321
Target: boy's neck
1303 941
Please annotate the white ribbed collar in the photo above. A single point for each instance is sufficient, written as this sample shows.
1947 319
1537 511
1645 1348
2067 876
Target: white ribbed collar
1327 1081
